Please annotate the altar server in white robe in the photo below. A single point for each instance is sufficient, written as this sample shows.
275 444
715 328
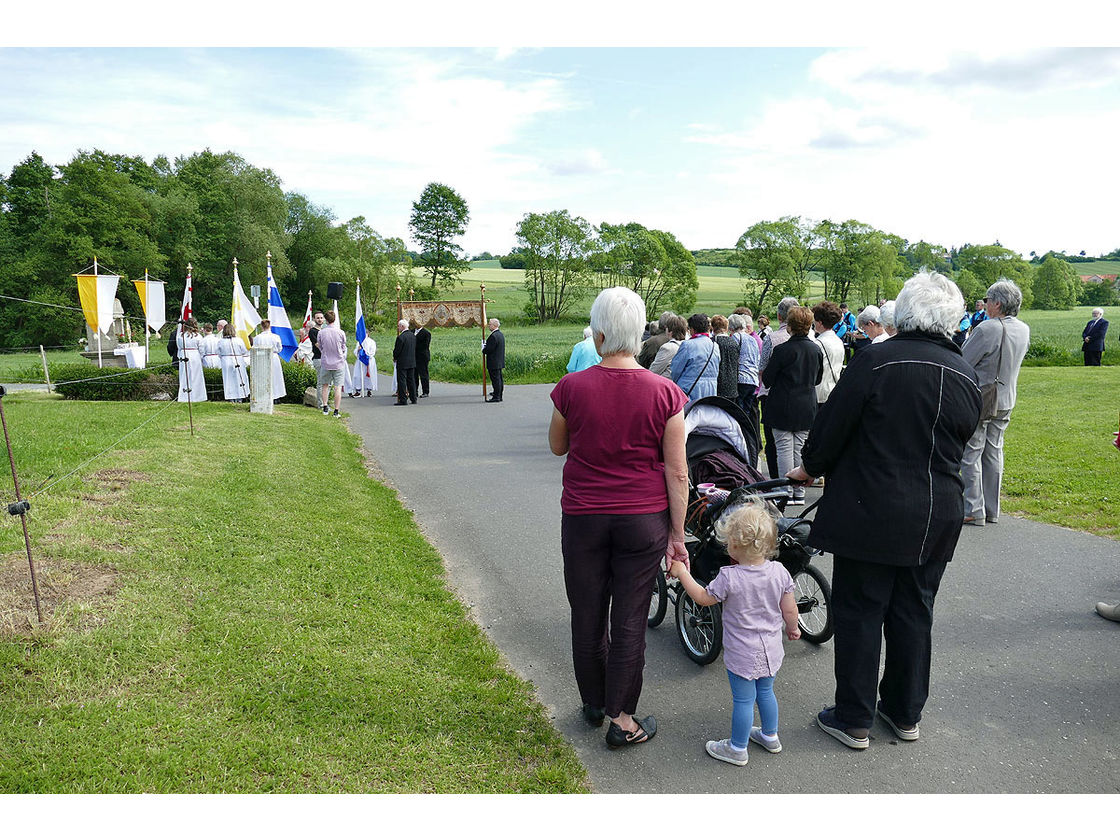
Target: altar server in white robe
192 386
235 365
364 376
208 346
267 338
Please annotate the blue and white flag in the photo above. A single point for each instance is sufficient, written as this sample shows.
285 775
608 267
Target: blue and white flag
360 329
281 326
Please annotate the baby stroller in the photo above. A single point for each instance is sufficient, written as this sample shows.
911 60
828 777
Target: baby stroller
721 446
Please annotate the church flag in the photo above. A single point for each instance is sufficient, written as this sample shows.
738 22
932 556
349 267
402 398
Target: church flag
97 292
244 317
278 316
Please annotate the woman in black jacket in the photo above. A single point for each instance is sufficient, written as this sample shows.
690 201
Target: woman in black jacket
890 439
792 375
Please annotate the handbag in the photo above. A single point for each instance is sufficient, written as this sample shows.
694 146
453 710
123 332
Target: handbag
989 393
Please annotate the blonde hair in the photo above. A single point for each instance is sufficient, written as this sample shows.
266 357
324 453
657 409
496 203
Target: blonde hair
749 527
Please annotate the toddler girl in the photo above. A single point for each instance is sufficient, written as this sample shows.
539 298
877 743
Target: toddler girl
757 596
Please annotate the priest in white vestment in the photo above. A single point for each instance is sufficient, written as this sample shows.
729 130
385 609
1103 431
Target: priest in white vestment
268 338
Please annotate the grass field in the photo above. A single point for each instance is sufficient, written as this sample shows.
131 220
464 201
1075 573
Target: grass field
215 625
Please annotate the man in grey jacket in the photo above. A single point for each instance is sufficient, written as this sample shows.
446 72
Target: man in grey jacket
995 348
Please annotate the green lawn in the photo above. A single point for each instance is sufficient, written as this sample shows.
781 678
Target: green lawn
1061 466
244 611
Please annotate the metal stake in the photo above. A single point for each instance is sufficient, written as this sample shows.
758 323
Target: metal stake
20 507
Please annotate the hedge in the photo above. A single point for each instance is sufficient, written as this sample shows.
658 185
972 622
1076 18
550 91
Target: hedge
85 381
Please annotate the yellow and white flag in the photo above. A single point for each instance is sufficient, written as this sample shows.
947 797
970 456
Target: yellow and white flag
244 317
153 299
97 292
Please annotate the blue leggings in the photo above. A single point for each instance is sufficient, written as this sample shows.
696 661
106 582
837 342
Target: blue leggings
744 694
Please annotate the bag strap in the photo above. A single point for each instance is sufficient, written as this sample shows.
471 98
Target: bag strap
999 362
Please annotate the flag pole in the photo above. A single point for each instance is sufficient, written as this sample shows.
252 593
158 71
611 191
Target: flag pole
483 302
97 304
147 331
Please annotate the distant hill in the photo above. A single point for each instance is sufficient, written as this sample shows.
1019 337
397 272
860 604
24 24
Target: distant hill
715 256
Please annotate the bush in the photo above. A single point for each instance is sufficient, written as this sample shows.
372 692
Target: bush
297 379
85 381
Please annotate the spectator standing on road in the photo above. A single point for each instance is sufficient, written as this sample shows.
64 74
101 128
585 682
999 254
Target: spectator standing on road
996 349
980 315
404 361
825 315
494 349
1092 338
727 380
792 376
890 524
771 340
423 357
677 328
332 363
583 354
886 318
313 333
656 340
695 367
757 597
625 489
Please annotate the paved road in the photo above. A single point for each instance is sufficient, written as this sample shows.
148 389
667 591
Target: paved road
1024 695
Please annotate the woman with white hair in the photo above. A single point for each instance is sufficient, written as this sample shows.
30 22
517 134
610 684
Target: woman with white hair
890 439
583 354
870 323
996 349
886 318
623 503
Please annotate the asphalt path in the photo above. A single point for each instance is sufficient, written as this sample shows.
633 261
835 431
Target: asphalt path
1024 692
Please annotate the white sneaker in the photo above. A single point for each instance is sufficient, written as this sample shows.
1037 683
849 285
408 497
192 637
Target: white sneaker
723 751
769 744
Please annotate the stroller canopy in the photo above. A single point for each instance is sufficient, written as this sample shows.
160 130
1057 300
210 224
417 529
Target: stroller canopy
717 422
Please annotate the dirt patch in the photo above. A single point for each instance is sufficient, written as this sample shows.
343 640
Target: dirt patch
72 595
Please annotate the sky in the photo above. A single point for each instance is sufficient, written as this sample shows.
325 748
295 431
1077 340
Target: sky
950 145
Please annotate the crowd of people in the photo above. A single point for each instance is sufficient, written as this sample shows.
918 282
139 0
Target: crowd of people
901 421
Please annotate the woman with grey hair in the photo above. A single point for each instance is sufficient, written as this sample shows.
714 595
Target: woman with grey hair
870 323
890 439
996 349
886 320
625 489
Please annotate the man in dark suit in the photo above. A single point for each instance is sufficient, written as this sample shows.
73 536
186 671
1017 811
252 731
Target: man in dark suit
423 356
1092 338
494 349
404 354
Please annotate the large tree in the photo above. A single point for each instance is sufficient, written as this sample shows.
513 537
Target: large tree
557 250
991 262
855 257
652 263
774 259
438 217
1056 284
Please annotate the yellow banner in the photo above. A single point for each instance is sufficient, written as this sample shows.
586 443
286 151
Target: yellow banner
87 291
142 290
442 313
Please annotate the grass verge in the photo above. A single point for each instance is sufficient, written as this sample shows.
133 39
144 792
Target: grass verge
1060 464
244 611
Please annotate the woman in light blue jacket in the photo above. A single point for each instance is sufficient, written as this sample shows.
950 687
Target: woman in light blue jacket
696 365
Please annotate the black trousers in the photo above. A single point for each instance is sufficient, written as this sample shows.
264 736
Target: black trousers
1092 358
406 384
422 376
497 382
610 563
872 602
748 401
771 448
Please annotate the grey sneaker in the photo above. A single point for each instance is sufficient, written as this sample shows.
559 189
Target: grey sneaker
769 744
904 733
723 751
849 736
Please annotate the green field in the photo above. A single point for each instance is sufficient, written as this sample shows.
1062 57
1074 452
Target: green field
244 610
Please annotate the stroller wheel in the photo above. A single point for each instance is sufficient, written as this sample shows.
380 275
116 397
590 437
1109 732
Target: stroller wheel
700 629
813 594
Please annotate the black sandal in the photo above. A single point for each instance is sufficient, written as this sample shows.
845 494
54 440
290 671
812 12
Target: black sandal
619 737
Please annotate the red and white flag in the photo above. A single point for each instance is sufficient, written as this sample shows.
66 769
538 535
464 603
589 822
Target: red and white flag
307 317
185 312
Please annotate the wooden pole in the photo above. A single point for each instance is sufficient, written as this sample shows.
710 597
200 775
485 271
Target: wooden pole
20 508
46 370
97 303
147 336
482 300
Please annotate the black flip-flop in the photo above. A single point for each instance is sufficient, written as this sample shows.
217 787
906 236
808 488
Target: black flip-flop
619 737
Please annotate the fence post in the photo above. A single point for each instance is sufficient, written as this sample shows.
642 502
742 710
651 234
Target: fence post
46 370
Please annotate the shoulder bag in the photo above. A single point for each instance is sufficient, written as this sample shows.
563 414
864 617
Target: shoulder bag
989 393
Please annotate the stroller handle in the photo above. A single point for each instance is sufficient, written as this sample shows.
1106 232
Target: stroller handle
769 484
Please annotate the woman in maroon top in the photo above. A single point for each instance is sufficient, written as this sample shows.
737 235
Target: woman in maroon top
623 506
